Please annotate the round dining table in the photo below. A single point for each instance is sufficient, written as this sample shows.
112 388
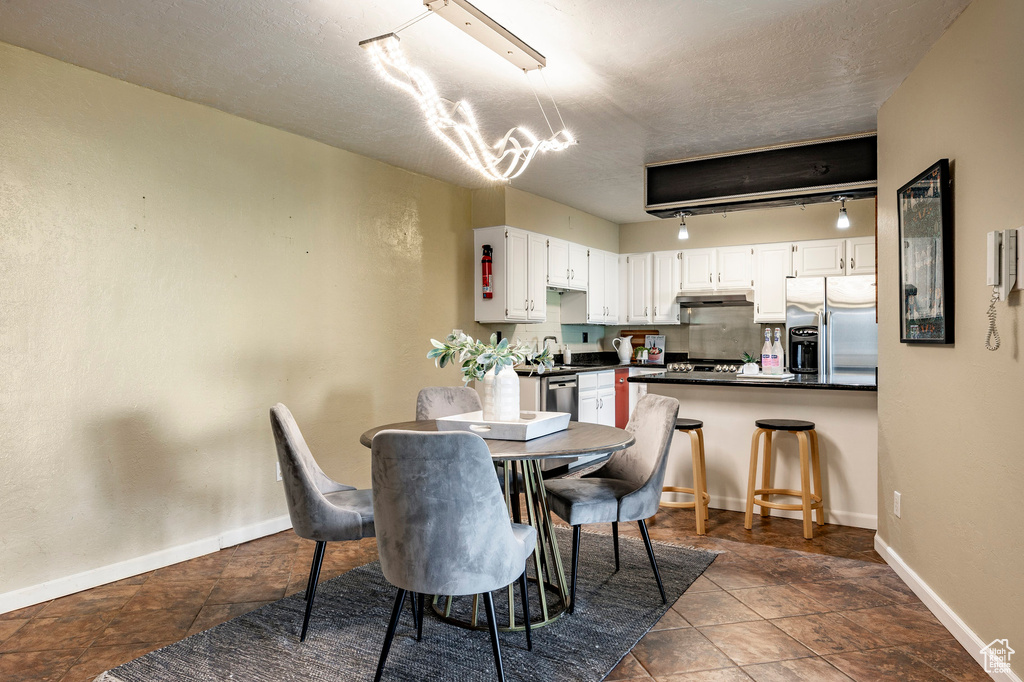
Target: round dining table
521 468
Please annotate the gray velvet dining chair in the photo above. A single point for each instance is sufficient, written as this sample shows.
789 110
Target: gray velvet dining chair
628 486
442 525
435 402
320 508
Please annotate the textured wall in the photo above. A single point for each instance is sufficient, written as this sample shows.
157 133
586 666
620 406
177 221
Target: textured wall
816 221
169 273
949 417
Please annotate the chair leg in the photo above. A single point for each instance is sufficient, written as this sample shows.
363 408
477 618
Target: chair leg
575 567
314 578
419 618
615 541
816 472
654 563
805 482
396 613
748 519
412 607
492 625
525 595
698 493
766 471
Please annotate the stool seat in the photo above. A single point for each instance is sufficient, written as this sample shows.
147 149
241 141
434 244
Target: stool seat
688 424
784 424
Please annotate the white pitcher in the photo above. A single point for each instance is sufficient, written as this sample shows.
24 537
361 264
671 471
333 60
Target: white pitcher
624 347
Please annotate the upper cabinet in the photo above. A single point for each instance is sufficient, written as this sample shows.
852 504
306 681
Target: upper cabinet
600 303
578 264
519 275
773 263
728 267
558 263
664 275
698 270
638 288
819 258
735 267
536 278
860 256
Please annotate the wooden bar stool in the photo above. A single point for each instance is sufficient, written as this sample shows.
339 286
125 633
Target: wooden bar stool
809 465
700 478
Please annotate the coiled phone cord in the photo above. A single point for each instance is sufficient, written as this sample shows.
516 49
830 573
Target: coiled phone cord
992 340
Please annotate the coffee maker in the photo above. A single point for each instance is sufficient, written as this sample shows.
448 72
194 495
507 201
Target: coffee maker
803 350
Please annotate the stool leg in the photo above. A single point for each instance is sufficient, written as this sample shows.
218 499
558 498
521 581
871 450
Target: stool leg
805 482
816 472
748 521
698 499
703 473
766 471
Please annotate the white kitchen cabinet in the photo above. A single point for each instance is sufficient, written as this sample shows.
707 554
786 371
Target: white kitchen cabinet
597 397
860 256
558 263
516 277
638 288
577 267
536 278
773 263
611 287
819 258
698 270
664 275
623 290
596 288
735 267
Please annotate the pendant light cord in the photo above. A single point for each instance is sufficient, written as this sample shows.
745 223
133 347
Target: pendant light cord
552 96
537 97
412 21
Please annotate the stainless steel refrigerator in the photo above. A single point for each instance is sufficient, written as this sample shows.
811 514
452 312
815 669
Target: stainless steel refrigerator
843 310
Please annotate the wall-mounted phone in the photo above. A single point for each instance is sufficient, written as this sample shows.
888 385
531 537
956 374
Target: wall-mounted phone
1001 275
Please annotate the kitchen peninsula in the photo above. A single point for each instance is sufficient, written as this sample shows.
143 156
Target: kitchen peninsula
845 413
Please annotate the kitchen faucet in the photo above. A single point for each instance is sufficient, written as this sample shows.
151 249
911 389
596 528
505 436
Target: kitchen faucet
544 343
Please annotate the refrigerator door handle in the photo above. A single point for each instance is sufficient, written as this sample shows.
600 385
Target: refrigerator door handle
828 343
820 324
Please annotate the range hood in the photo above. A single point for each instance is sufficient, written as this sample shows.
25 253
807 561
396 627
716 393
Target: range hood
786 175
713 299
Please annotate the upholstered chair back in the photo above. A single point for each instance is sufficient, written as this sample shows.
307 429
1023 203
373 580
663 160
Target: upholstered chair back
305 485
643 463
442 525
435 402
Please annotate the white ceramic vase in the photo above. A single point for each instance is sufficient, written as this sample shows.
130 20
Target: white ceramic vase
501 395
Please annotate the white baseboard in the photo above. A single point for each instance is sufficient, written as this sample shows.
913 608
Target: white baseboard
60 587
838 516
957 627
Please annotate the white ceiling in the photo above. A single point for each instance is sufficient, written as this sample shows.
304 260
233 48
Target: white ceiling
637 81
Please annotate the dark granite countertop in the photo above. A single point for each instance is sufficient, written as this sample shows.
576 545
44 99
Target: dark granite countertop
562 370
806 381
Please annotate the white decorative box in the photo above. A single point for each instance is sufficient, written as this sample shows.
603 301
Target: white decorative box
530 425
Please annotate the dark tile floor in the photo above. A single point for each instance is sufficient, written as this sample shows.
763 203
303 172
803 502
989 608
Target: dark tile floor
762 611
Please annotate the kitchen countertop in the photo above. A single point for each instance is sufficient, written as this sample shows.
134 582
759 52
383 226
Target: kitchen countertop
805 381
563 370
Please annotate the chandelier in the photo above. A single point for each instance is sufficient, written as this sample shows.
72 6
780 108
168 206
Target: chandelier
454 122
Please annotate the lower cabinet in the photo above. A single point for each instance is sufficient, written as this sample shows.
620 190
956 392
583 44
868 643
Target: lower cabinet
597 397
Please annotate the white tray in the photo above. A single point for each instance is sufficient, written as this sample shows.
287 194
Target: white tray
772 377
530 425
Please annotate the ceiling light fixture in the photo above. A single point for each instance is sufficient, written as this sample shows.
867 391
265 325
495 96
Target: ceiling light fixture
454 122
683 232
844 219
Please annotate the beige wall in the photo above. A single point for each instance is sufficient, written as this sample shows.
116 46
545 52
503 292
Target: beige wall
815 221
503 205
950 417
169 273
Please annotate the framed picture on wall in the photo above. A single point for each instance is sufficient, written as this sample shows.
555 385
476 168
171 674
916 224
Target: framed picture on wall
926 257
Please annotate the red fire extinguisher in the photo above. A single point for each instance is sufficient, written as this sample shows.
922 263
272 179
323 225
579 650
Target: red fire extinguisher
485 270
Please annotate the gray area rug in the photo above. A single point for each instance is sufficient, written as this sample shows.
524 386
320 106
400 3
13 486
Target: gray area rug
351 614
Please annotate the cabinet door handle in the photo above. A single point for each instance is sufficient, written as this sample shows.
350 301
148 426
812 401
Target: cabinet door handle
572 275
842 263
655 311
567 273
851 262
719 278
709 278
531 305
645 311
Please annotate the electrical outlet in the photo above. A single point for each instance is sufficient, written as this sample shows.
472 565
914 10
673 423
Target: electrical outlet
896 503
279 471
586 337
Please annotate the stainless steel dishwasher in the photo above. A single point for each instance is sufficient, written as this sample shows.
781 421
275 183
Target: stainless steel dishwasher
560 394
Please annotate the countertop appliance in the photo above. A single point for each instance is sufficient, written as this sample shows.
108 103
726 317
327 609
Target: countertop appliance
802 349
842 310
